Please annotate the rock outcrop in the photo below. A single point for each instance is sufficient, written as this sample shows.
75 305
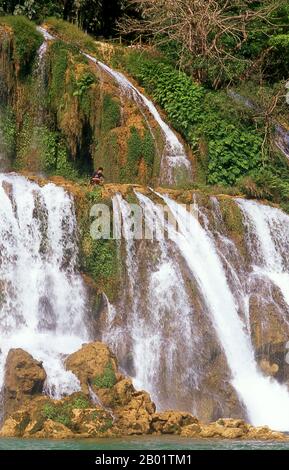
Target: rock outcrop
120 409
231 429
24 379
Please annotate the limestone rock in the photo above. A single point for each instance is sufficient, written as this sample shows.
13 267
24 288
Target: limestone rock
14 425
136 416
92 422
171 422
192 430
54 430
24 379
267 368
91 362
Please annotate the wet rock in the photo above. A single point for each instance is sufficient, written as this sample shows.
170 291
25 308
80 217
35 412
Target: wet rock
231 429
264 433
24 379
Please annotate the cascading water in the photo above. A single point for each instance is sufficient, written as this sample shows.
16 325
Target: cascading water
159 322
40 74
160 319
174 155
268 237
43 299
266 401
40 305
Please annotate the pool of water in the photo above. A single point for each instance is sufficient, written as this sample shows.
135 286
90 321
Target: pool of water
137 443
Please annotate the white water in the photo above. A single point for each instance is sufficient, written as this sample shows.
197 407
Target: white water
268 232
174 155
43 300
266 401
160 315
45 34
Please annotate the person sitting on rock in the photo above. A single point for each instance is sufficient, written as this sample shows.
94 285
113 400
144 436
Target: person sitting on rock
97 177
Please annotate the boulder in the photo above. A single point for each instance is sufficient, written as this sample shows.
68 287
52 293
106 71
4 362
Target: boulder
136 416
192 430
24 379
172 422
53 430
92 422
15 425
264 433
267 368
91 363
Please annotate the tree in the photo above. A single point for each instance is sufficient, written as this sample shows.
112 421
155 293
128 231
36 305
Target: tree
212 31
94 16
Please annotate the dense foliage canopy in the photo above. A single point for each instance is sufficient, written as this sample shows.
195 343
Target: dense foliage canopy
94 16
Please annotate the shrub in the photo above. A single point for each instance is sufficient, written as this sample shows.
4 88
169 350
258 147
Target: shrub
72 34
107 379
62 412
59 64
58 413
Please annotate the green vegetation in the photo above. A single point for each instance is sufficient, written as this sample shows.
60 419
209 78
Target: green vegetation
107 379
83 84
8 130
104 252
106 426
27 41
72 34
62 412
111 114
94 16
233 146
59 413
148 148
271 183
59 63
139 147
134 151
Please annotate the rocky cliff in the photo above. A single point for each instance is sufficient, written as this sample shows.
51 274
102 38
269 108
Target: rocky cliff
107 406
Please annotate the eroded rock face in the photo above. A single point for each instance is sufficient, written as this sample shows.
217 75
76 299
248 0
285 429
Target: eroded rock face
90 363
24 379
171 422
30 414
97 369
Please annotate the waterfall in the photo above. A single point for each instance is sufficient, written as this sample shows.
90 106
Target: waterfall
174 159
158 318
174 155
268 238
266 401
43 299
40 74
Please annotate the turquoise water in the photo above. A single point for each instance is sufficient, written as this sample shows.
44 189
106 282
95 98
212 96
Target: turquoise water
144 443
